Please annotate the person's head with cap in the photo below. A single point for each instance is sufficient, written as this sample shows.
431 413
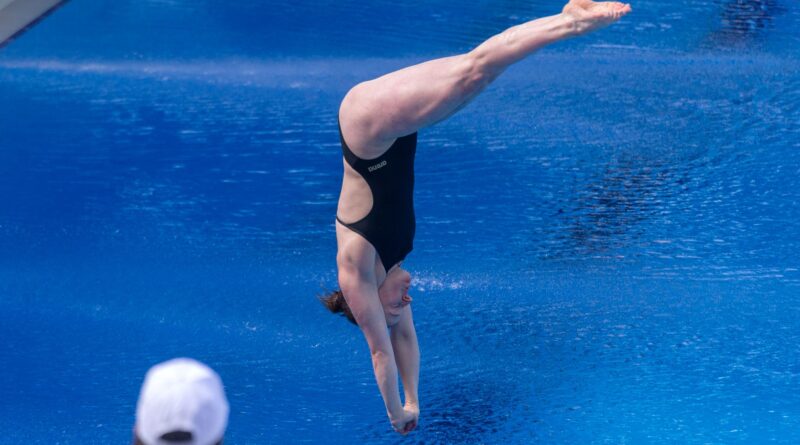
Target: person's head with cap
182 402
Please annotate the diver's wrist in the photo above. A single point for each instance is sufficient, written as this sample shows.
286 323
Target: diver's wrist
395 412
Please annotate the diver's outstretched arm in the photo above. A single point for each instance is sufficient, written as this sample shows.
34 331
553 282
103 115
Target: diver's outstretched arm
376 112
406 354
356 264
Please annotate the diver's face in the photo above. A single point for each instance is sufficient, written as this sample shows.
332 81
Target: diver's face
394 294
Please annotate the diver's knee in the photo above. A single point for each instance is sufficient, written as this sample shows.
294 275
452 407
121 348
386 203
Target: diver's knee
475 74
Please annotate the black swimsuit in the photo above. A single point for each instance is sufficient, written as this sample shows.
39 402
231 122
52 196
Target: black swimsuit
390 224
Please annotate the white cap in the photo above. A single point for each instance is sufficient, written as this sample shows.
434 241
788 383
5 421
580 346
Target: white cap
182 395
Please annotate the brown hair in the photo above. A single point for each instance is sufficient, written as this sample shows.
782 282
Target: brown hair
175 437
336 303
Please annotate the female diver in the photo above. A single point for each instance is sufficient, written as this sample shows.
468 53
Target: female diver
375 223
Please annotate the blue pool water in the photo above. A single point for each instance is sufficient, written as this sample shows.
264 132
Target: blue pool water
607 239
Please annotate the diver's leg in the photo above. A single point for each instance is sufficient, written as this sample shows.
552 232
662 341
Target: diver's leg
376 112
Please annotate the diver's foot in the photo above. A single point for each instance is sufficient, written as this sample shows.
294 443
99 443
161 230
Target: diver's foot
588 16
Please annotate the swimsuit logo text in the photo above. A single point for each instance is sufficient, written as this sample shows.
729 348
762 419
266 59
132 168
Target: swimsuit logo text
376 166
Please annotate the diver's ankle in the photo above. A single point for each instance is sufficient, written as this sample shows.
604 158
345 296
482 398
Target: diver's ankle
567 26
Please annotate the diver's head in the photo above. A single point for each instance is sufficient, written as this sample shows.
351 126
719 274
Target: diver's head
393 294
336 303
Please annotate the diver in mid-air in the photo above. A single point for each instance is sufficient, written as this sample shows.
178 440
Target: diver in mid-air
375 223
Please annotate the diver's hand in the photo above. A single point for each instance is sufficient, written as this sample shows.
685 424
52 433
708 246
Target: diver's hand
404 421
414 409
